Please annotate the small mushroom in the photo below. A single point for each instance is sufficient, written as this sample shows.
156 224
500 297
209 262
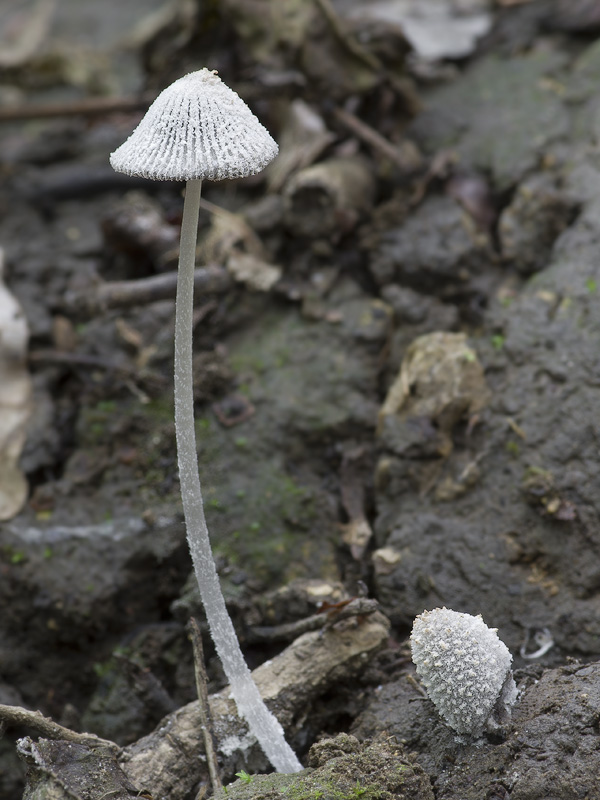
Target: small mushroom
199 128
465 669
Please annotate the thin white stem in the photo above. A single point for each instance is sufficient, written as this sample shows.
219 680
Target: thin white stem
250 704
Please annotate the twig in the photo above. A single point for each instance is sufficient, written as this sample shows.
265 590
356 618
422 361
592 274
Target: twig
406 156
122 294
346 39
94 362
359 606
89 107
16 715
205 718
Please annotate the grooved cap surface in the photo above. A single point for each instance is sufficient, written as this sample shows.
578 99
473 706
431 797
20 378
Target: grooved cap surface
197 128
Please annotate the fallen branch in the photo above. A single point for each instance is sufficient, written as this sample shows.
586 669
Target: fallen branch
405 155
124 294
169 763
15 715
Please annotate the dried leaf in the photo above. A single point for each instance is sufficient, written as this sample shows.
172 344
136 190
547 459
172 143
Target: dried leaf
436 29
252 271
302 140
24 33
15 400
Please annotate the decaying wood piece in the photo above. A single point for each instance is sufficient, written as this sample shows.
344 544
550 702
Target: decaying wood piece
15 715
60 770
170 762
328 198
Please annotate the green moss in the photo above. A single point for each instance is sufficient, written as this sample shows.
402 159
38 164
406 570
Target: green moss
512 448
12 555
102 668
303 790
106 406
160 409
371 771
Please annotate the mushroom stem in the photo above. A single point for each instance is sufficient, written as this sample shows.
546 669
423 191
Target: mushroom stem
250 704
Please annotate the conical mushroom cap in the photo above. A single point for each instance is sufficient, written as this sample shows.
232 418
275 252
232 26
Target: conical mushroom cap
197 128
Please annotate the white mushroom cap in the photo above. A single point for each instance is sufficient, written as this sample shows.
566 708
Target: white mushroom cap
197 128
463 665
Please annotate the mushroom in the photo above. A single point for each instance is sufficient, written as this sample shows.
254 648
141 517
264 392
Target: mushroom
465 669
199 128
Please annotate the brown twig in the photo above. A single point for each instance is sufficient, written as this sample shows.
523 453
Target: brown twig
123 294
359 606
16 715
406 157
205 717
88 107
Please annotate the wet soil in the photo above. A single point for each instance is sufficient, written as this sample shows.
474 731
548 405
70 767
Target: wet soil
412 405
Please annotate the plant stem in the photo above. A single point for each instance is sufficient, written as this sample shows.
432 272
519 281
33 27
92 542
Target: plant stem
249 703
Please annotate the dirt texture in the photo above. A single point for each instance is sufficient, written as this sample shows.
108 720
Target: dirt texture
397 384
550 748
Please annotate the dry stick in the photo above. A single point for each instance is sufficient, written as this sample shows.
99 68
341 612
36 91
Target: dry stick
204 708
407 162
73 360
90 107
122 294
15 715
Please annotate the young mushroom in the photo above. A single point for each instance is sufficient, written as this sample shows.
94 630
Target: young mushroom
199 128
465 669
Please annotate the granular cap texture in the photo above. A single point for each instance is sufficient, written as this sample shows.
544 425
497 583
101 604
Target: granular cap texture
463 665
197 128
